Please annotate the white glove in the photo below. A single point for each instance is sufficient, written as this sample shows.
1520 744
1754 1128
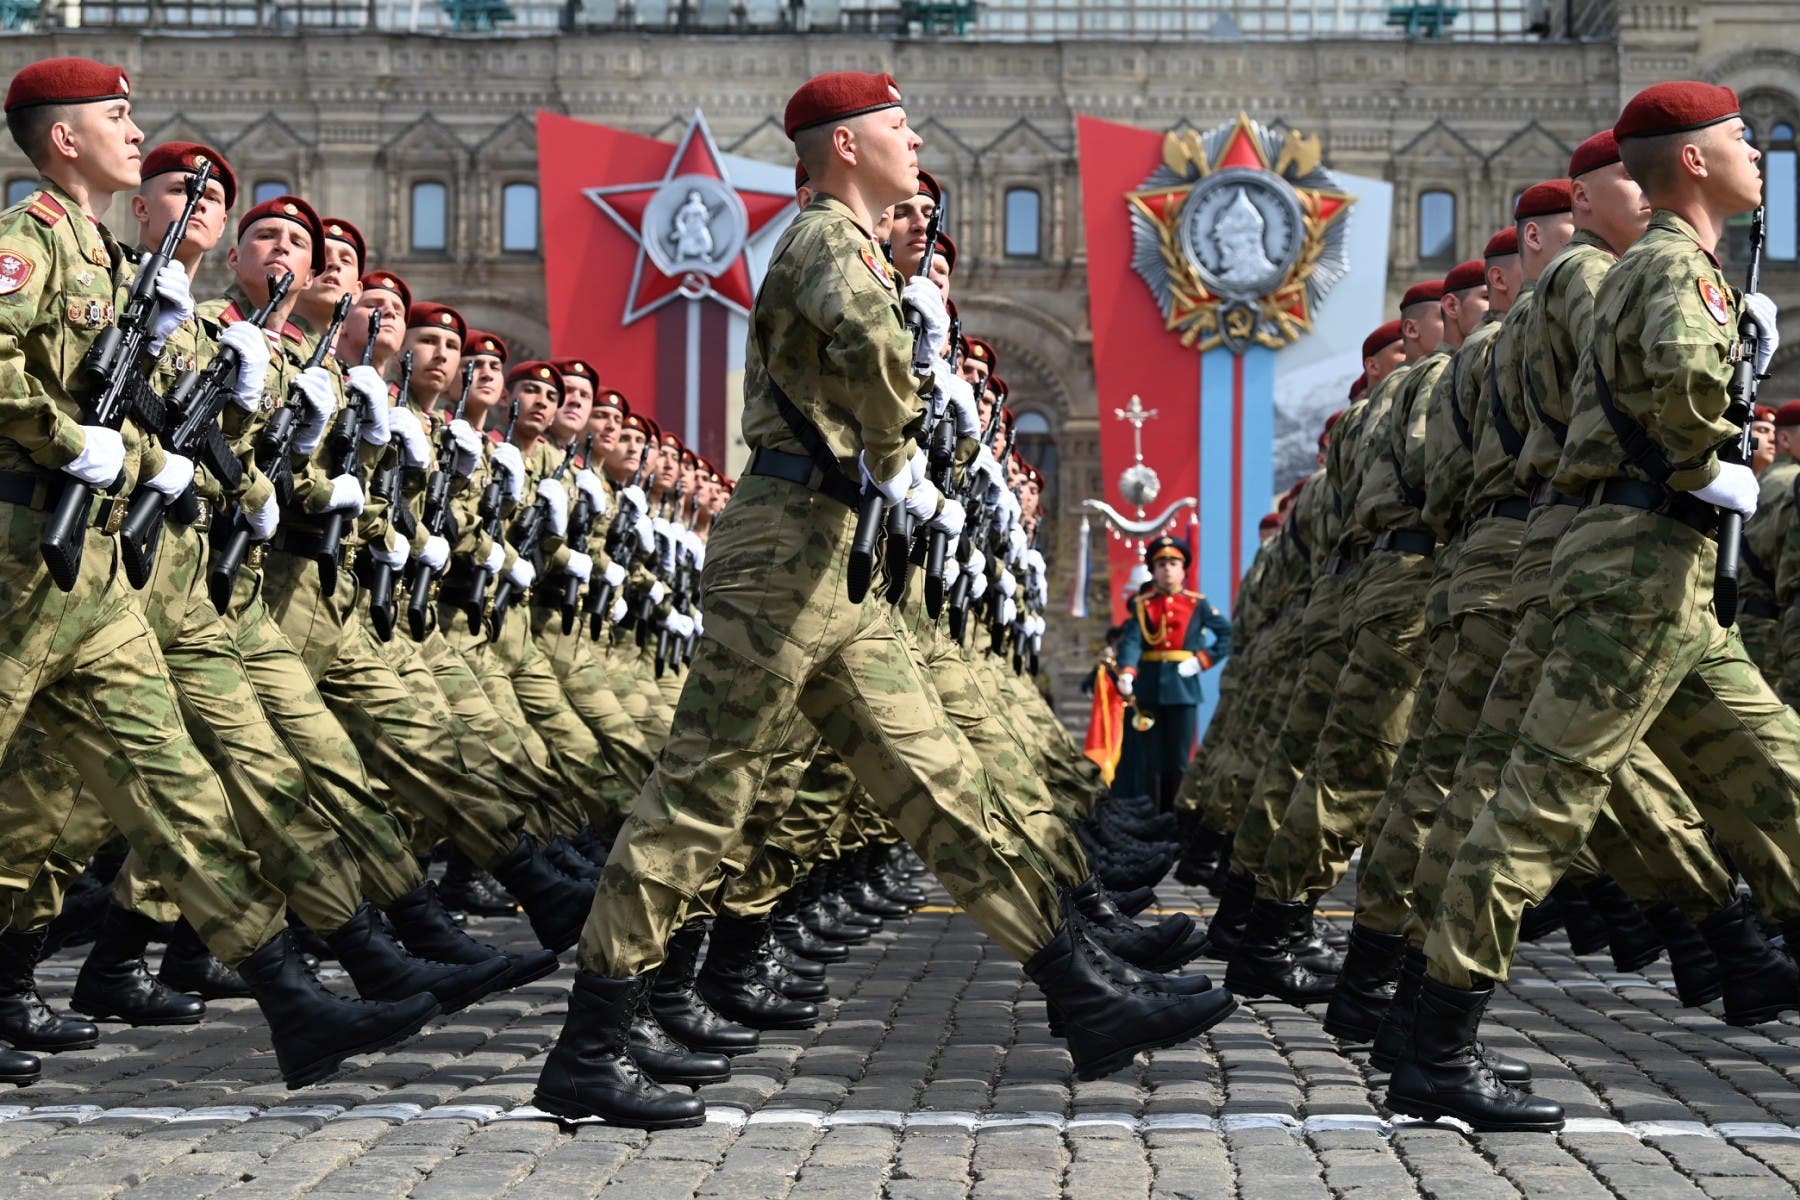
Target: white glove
699 620
646 536
1007 585
346 495
174 304
988 467
977 562
390 552
496 558
1126 684
101 459
556 498
679 625
403 423
614 576
1010 511
657 592
1009 612
952 569
979 587
1734 488
262 522
435 553
922 502
925 299
588 484
960 396
316 393
634 496
580 565
174 478
252 346
1767 337
468 448
619 609
522 573
690 541
1016 544
949 518
1187 668
1034 562
892 490
367 385
506 457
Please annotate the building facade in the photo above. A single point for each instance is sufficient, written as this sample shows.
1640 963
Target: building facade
414 119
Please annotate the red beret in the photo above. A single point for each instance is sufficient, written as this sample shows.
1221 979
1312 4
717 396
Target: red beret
979 351
1762 412
480 341
1601 150
1426 291
1383 337
426 315
578 368
1502 244
652 431
838 96
612 398
67 81
1674 107
1324 433
1544 199
1788 414
536 370
290 208
387 281
1465 275
1007 418
339 230
946 246
186 157
800 176
1269 521
997 386
929 187
670 440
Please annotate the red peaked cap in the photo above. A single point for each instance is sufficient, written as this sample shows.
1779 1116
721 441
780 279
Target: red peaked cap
1674 107
427 315
1426 291
1465 275
389 282
838 96
1544 199
538 370
186 157
67 81
1502 244
340 230
1383 337
480 341
1601 150
290 208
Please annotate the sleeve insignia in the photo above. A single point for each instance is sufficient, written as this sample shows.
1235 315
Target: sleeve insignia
15 271
877 268
45 208
1714 299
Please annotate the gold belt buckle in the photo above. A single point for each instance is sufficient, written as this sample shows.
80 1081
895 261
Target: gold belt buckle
112 514
255 557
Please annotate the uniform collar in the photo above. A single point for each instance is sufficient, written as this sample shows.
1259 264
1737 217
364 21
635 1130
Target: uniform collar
1587 237
1666 220
96 240
843 210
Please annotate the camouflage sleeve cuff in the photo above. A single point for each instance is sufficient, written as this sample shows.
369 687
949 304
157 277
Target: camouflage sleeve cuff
257 490
1693 478
65 444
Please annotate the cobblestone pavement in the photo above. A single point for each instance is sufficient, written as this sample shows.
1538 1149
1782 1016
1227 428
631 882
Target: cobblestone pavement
933 1077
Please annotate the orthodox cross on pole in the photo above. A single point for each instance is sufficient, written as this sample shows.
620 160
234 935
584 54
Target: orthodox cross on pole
1136 414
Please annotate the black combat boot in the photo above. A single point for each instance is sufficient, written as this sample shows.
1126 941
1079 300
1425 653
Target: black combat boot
382 969
1165 946
679 1008
1761 983
591 1073
820 918
1107 1023
18 1068
666 1060
1698 979
1226 930
424 926
188 966
556 905
313 1028
1365 985
466 889
26 1022
571 862
1393 1041
1134 901
797 965
835 875
1446 1076
795 985
1630 937
734 980
1222 875
1264 964
1199 852
1311 947
1540 920
797 935
1585 926
856 887
115 985
84 907
311 947
891 883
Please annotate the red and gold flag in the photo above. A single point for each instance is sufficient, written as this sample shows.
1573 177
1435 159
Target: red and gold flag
1106 725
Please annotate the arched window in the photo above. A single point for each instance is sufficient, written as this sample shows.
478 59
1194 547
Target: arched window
1037 447
430 217
1437 226
1024 214
1779 193
18 188
519 218
268 189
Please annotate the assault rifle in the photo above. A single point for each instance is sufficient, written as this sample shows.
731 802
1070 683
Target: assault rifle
526 532
437 518
1742 411
579 521
377 577
343 450
600 595
489 510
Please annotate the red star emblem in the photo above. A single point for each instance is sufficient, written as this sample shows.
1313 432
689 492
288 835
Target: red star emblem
691 227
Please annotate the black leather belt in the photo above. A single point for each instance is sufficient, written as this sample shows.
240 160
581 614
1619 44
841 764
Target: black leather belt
800 469
40 491
1697 515
1751 606
301 543
1408 541
1515 509
1545 494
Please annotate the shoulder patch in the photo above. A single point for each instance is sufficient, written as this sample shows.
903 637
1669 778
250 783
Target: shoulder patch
876 267
1716 304
46 209
15 271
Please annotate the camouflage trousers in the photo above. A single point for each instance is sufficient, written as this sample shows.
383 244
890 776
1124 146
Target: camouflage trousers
84 666
1635 655
1789 686
1762 642
1291 749
584 681
1224 793
1361 737
783 643
1645 797
1221 734
635 686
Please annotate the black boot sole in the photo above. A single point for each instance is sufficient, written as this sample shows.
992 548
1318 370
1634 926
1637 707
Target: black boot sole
1253 989
572 1110
1426 1110
25 1080
1349 1030
677 1079
195 987
460 999
324 1068
826 955
524 973
1760 1016
33 1046
137 1023
1222 1006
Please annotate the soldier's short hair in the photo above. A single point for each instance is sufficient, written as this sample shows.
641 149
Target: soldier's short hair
1651 160
30 129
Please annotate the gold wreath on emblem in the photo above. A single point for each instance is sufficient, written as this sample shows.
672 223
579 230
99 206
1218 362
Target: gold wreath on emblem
1180 203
